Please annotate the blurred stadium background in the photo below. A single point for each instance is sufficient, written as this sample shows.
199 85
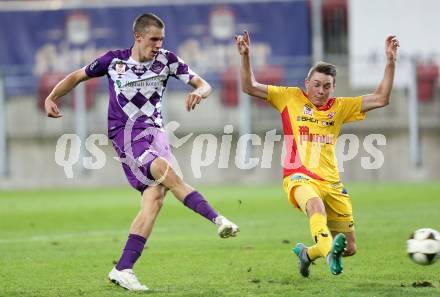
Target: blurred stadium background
45 40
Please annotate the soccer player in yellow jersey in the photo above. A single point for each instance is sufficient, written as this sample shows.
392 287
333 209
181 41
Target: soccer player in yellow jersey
312 120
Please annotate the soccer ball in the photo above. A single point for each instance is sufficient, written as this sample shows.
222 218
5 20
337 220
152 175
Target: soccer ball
423 246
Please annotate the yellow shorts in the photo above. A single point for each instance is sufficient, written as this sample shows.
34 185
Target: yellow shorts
300 188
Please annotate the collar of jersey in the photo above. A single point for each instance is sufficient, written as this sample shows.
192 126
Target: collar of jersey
326 106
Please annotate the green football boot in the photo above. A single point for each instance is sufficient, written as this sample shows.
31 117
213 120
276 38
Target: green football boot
334 260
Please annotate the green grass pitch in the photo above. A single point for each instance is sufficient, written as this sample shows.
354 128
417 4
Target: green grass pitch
64 242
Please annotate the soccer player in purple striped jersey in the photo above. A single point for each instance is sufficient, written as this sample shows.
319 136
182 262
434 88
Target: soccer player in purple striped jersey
137 78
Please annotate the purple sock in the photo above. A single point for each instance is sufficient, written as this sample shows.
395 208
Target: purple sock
196 202
132 251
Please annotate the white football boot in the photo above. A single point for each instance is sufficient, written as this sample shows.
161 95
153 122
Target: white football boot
225 227
126 279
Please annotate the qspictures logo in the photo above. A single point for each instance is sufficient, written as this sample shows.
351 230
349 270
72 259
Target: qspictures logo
218 150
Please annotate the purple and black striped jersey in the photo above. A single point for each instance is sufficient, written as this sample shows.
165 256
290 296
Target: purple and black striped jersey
136 89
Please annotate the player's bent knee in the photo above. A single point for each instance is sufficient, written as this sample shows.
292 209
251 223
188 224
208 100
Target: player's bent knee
164 174
159 168
167 176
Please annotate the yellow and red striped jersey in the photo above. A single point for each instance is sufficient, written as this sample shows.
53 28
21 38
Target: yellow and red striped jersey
310 132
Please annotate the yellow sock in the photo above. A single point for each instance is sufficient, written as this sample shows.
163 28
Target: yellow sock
313 252
321 235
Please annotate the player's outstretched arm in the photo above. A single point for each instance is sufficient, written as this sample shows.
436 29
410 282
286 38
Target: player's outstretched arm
248 83
381 97
202 90
61 89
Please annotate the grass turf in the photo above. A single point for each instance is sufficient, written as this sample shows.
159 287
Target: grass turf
64 242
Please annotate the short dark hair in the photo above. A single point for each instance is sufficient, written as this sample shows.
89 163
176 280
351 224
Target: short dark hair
325 68
146 20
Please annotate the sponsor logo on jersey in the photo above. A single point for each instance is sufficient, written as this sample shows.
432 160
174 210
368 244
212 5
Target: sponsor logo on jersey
157 67
326 124
308 110
148 82
93 65
306 119
120 67
331 115
306 136
139 70
314 121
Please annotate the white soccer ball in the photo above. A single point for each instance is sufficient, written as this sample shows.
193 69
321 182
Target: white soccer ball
423 246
